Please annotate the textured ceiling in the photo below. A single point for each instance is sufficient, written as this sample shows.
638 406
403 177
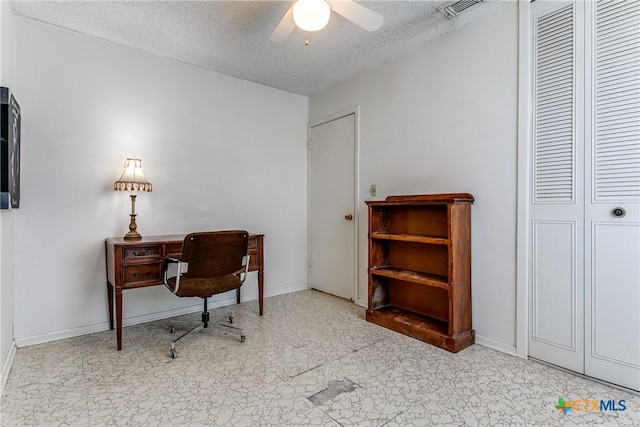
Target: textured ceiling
232 37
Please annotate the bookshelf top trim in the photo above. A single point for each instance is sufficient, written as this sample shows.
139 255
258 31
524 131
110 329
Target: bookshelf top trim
424 199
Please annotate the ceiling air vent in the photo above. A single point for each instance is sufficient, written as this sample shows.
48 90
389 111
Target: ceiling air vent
452 10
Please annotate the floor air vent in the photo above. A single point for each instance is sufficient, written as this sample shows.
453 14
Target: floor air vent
452 10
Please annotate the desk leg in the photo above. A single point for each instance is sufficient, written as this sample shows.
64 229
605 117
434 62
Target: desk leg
110 298
119 317
261 290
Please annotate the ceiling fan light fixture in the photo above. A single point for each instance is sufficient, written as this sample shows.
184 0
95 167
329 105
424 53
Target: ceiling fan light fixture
311 15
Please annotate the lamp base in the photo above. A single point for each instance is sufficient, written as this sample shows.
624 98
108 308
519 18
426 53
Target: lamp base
132 234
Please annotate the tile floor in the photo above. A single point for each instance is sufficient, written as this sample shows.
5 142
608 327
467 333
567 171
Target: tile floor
312 359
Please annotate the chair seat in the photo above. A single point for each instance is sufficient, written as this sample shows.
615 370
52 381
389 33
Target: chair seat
204 286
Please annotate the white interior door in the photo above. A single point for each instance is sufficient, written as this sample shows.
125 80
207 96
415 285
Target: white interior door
585 210
556 326
332 207
612 209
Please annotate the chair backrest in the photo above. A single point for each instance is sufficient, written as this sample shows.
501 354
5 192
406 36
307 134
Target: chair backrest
214 253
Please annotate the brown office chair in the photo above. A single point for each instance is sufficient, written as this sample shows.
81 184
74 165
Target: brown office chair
211 263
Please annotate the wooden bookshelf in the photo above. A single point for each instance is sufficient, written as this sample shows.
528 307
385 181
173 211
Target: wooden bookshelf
420 267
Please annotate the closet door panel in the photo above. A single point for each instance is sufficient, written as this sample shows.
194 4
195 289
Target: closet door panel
556 277
616 152
556 308
615 277
612 238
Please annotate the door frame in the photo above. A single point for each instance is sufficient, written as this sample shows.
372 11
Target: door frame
523 239
355 110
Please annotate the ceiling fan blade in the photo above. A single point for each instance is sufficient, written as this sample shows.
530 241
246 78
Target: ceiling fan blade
358 14
285 27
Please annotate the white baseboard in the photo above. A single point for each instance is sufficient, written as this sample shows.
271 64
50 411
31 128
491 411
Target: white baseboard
149 317
283 291
60 335
496 345
6 366
104 326
480 340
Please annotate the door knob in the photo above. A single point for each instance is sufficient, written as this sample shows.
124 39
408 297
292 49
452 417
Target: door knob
348 217
618 212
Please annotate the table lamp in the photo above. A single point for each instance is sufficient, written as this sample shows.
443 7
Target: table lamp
132 180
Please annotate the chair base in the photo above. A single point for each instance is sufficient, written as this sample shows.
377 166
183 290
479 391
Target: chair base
218 324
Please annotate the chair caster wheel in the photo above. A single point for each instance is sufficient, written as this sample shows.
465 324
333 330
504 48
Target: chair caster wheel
172 329
174 354
230 319
243 338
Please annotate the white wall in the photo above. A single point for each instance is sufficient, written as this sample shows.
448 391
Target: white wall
7 75
440 120
220 153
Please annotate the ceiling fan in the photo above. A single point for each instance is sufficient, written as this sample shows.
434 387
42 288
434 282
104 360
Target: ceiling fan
313 15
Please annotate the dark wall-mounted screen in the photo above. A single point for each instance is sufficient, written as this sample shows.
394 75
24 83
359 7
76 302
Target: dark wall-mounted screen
9 150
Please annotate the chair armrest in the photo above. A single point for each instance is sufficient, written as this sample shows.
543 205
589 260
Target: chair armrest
169 260
245 269
182 267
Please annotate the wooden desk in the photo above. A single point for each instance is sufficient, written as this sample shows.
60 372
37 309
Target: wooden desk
139 263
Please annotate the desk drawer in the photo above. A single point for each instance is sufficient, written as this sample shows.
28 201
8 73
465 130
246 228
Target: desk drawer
253 261
142 273
142 251
253 244
174 250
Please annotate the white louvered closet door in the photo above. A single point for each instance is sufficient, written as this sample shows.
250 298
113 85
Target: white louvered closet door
585 274
556 324
612 243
